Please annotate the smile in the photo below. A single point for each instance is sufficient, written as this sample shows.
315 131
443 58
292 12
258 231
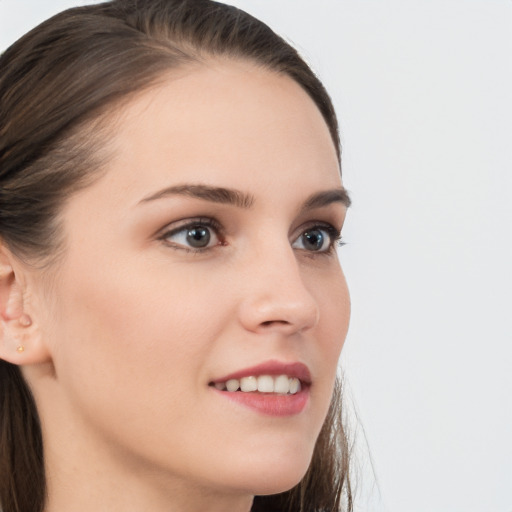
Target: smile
280 384
272 388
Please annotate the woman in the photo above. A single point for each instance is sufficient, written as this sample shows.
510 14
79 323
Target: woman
172 303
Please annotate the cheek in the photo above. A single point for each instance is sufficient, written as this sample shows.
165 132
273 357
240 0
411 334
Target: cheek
130 335
130 357
331 294
333 298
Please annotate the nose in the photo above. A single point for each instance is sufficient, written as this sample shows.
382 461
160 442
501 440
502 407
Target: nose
276 298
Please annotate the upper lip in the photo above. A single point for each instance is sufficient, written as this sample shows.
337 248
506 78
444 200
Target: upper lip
296 370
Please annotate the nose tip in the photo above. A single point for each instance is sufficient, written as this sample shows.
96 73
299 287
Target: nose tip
279 303
285 317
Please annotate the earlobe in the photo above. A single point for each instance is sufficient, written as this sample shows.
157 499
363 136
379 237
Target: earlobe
20 338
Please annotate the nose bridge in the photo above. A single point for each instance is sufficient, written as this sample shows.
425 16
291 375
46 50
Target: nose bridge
276 297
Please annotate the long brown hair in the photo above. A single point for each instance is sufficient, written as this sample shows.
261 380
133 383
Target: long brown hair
57 84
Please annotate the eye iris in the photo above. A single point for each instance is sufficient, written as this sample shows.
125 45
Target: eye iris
313 239
198 236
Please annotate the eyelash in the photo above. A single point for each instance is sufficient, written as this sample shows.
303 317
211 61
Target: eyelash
209 223
335 239
334 235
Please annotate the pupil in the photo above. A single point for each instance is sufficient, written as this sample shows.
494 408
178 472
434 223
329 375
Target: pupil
198 236
314 239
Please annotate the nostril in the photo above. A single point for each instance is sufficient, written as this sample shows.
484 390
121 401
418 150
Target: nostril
264 312
269 323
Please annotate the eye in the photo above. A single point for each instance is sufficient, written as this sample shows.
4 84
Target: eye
321 239
195 236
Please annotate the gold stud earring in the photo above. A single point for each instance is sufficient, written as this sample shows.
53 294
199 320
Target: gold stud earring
20 349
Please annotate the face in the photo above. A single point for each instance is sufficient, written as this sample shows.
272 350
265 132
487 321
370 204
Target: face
203 260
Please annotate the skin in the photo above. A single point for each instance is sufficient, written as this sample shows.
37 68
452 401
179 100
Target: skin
138 325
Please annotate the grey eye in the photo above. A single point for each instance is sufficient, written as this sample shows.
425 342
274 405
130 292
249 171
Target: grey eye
198 236
315 239
193 236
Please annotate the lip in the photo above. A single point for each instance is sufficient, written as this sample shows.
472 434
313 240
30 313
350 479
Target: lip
296 370
270 404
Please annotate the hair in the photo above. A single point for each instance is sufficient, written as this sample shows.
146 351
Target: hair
58 85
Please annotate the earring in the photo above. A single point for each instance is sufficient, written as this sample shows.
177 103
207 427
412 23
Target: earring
20 349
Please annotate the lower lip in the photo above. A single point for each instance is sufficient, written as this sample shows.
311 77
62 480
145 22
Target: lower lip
269 403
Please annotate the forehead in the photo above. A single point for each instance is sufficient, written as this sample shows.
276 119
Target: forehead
239 125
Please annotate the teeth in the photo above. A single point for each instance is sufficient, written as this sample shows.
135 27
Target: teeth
232 384
281 384
248 384
265 384
294 386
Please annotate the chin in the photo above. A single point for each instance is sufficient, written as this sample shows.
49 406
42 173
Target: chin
278 485
273 476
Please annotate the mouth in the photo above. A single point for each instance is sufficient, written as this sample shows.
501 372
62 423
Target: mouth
272 388
281 385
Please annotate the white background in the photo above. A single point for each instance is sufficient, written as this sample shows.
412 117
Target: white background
422 89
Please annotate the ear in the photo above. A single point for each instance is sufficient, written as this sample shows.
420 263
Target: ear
20 337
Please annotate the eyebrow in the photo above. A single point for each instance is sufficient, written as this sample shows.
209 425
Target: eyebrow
208 193
243 200
327 197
